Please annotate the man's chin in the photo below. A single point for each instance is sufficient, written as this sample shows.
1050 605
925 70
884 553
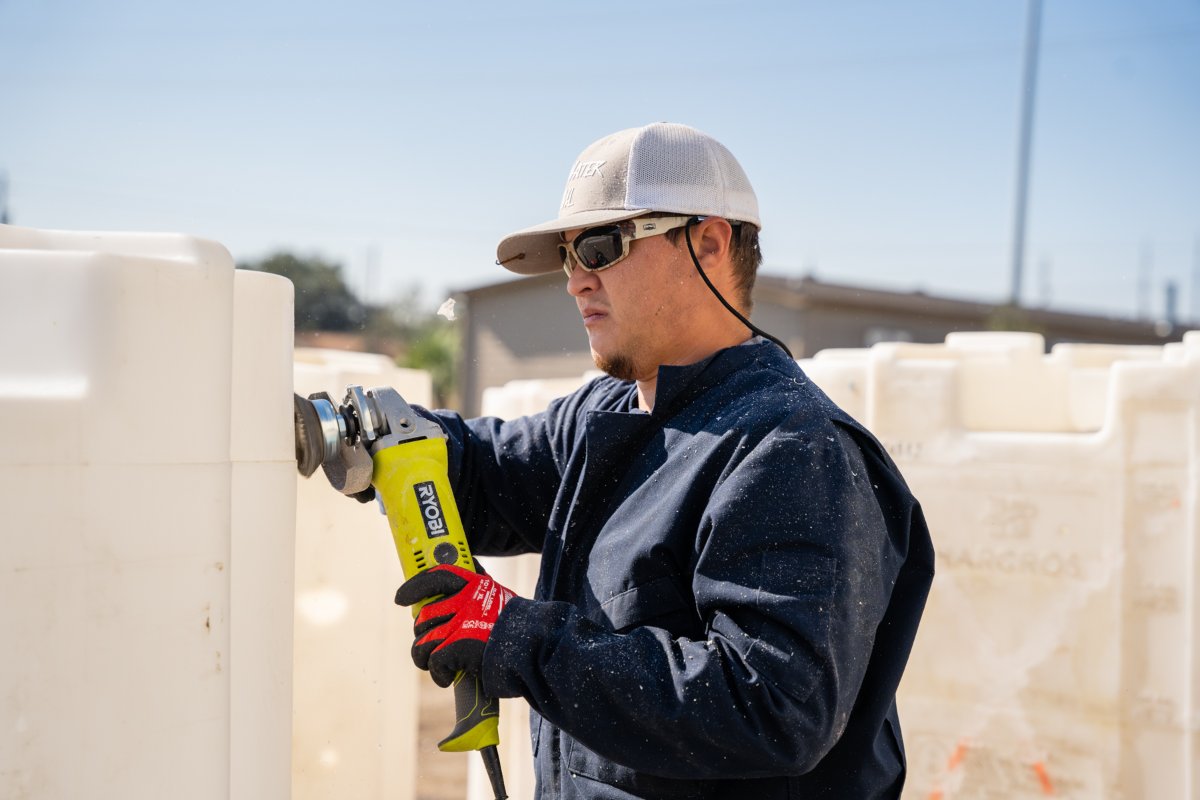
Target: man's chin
618 366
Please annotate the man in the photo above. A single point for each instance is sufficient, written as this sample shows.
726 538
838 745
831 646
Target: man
732 568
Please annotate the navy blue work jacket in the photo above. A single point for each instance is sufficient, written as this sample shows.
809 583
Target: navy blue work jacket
729 586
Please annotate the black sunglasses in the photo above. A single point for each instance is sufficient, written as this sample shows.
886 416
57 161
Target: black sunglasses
602 247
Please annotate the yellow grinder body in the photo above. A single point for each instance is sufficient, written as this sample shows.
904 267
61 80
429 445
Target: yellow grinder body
411 480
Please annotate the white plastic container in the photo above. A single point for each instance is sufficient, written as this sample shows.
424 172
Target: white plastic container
356 689
145 556
519 573
1057 653
524 397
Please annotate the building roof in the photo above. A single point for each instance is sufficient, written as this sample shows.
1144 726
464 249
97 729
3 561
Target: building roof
807 292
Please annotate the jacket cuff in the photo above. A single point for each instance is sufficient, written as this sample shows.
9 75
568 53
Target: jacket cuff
515 646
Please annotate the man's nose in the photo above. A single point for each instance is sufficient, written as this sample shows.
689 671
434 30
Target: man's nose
581 281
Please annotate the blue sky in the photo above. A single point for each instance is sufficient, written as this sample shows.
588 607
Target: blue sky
881 137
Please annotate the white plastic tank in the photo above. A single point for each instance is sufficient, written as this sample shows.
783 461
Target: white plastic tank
1057 653
356 700
515 399
147 478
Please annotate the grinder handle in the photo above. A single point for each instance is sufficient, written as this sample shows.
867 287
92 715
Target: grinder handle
412 480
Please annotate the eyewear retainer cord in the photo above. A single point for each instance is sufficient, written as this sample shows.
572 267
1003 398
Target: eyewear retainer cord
687 233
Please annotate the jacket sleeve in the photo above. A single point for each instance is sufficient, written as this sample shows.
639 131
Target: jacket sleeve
505 475
796 558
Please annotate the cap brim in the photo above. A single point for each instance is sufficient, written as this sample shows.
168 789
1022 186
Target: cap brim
534 251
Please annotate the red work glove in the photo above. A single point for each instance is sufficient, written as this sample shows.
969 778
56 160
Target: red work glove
452 631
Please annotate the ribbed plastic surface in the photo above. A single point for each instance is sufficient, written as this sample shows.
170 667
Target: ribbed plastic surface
145 557
515 399
1057 653
356 703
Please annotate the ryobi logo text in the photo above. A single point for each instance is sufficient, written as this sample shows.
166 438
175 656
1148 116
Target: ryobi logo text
431 509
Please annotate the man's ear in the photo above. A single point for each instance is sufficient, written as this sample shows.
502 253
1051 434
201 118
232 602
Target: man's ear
712 238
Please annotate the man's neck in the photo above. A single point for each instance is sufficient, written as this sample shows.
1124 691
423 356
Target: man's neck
647 389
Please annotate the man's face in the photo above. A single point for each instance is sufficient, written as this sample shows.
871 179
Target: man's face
637 313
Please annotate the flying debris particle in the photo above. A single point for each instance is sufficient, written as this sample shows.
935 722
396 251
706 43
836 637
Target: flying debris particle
446 309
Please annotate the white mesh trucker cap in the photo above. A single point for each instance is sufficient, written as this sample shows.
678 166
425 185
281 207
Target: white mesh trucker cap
660 167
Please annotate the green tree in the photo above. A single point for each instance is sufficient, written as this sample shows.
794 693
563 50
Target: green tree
323 300
433 348
1009 317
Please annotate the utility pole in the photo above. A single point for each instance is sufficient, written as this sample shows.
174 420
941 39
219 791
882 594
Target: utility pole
1196 283
372 273
1033 27
1145 279
1044 283
3 197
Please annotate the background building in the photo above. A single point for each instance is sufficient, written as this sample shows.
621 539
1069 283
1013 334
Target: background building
529 328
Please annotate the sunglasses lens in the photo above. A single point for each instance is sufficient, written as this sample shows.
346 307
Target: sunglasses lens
598 247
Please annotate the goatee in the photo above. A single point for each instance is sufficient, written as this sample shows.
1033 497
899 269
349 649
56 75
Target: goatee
618 366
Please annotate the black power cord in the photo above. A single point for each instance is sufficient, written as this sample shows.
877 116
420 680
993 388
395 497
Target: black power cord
687 233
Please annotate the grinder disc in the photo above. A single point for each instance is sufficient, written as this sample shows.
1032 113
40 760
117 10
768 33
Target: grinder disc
310 446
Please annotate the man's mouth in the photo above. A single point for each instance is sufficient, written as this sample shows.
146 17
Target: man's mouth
592 315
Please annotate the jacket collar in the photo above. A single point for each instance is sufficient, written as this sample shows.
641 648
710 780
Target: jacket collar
674 381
